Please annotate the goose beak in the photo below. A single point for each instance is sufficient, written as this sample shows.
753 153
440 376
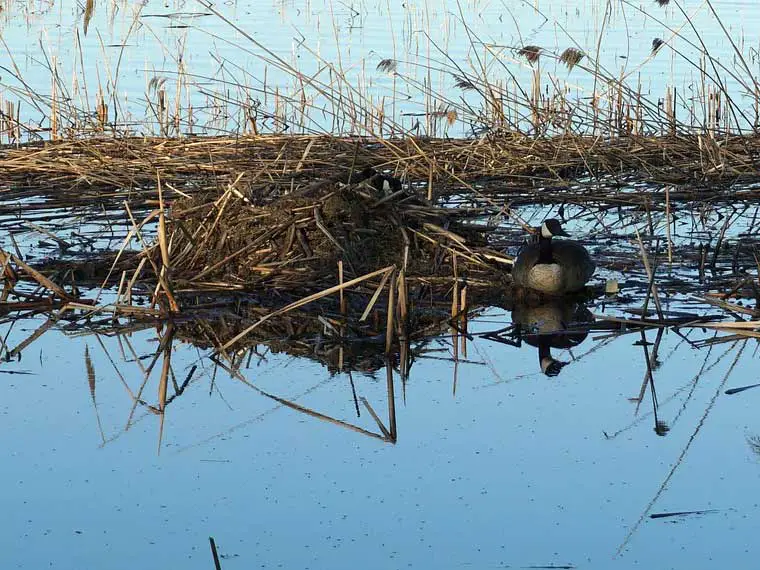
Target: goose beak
562 232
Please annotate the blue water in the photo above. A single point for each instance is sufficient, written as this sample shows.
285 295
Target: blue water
495 464
514 469
278 56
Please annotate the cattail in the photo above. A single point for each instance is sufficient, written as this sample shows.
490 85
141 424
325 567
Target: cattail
571 57
656 44
387 66
463 83
531 53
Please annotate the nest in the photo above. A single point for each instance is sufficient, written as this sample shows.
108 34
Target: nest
299 244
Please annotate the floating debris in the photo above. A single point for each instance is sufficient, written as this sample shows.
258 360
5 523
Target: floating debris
681 514
732 391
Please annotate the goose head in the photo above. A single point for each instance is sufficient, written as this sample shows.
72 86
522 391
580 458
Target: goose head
551 228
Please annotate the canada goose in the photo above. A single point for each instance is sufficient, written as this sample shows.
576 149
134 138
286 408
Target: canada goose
551 325
385 183
553 267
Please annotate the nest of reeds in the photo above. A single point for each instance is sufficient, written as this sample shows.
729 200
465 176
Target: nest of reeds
302 243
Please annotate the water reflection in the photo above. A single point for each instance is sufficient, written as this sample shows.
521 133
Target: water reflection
303 404
555 324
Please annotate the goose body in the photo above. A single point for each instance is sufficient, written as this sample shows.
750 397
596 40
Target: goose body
553 267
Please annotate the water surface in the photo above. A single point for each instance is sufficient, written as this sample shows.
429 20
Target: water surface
492 463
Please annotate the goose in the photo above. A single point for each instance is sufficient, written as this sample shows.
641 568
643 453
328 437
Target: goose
381 182
385 183
553 267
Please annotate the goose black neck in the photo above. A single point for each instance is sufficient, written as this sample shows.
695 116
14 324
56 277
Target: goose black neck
544 249
544 349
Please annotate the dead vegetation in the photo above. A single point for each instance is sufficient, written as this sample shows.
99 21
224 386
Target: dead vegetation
79 172
278 215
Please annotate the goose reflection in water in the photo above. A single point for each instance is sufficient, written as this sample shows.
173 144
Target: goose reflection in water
556 324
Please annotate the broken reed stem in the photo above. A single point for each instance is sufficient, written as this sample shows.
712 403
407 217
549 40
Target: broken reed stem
430 185
719 243
133 232
134 279
650 274
403 304
214 553
6 271
162 385
342 293
667 224
375 297
391 400
463 319
343 317
120 289
378 421
162 241
391 312
302 409
39 277
455 308
164 381
648 375
31 338
159 273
